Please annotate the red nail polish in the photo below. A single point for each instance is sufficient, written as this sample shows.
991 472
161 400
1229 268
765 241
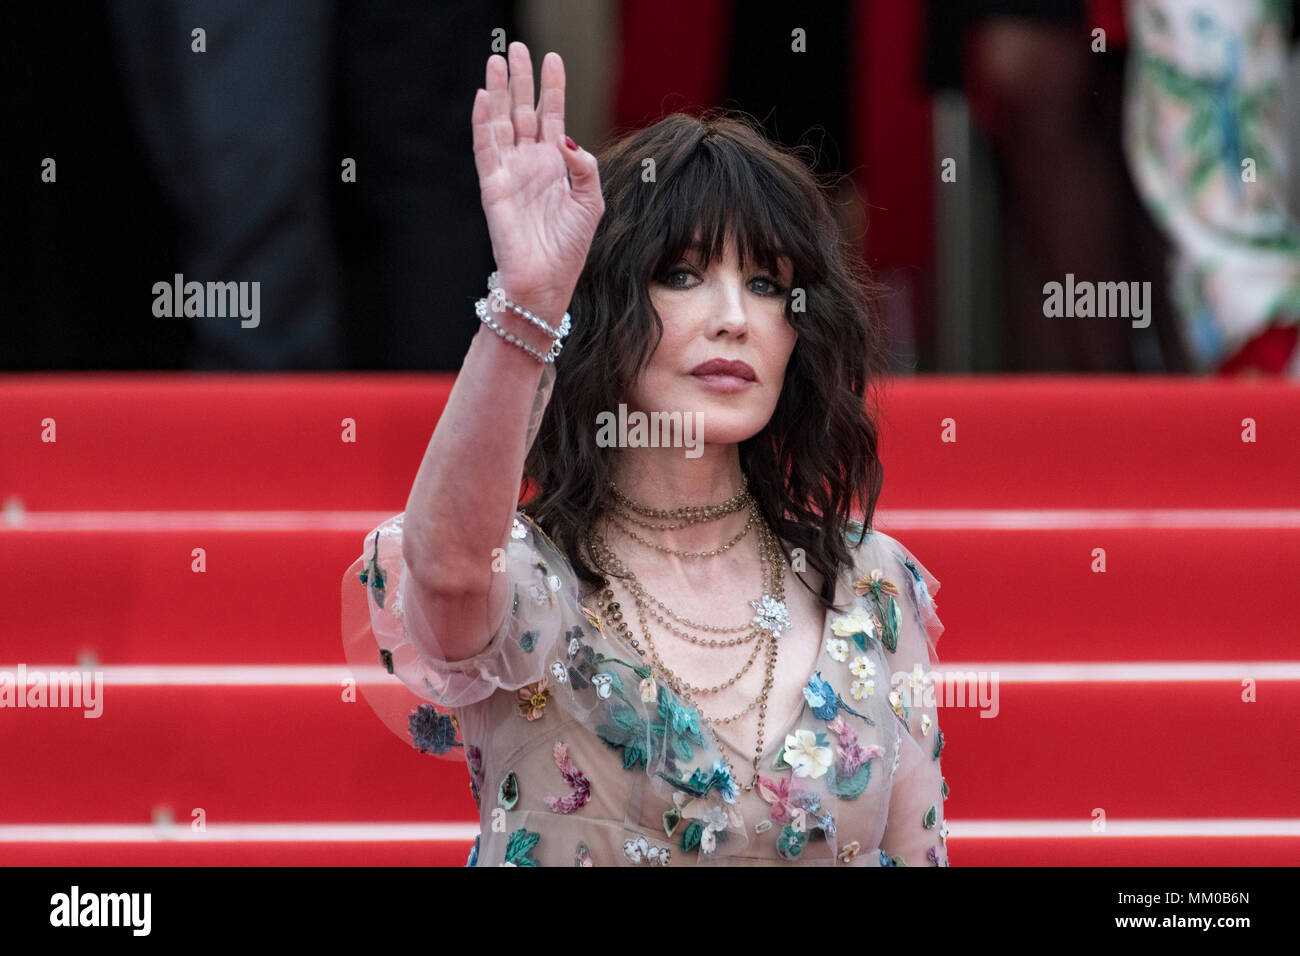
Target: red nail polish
570 143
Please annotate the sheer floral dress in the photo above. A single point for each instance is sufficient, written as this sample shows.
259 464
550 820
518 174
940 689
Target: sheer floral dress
576 756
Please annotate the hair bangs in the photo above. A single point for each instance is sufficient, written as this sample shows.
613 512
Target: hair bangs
711 200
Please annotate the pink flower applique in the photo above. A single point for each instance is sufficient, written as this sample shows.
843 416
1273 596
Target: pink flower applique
850 755
574 778
781 795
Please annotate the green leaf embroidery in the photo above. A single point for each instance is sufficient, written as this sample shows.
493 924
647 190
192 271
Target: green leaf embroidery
892 620
691 835
519 845
386 658
863 640
633 755
938 748
508 792
672 817
850 787
931 817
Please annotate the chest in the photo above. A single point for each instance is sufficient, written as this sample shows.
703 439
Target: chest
733 685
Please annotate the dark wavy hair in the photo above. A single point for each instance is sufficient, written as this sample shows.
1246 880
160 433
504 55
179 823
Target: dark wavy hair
719 176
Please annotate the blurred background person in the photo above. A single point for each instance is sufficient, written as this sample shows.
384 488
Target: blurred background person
1207 141
228 165
1047 99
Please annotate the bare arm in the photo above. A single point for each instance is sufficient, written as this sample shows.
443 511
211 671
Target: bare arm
543 202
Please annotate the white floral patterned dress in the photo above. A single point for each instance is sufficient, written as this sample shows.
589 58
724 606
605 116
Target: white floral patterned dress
576 756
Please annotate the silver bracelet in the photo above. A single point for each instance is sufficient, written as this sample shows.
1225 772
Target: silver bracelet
482 309
512 339
498 295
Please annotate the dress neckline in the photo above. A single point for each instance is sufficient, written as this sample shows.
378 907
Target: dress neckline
842 586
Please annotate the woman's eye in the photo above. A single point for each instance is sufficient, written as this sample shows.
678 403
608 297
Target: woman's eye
668 278
776 287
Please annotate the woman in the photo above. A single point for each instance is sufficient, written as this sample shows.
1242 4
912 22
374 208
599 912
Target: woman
622 692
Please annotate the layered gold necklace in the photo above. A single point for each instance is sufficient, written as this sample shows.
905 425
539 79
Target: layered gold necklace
770 619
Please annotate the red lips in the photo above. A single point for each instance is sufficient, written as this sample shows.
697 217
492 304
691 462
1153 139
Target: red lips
725 367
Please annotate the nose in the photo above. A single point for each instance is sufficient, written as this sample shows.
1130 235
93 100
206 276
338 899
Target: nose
729 309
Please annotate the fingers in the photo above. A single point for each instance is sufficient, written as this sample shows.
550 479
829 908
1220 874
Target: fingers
550 107
521 93
487 158
503 114
499 123
584 178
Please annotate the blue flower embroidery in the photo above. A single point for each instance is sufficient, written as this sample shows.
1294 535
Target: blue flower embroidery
473 852
432 731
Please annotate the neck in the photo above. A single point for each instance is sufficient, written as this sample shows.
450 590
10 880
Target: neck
665 478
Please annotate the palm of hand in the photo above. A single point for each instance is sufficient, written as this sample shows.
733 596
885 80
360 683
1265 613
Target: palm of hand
542 200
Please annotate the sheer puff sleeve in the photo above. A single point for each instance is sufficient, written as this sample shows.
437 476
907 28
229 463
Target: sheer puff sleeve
916 832
393 652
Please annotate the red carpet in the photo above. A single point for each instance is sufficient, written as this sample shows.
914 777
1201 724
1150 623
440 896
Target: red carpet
223 688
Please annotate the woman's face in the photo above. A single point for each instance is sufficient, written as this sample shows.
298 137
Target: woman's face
719 314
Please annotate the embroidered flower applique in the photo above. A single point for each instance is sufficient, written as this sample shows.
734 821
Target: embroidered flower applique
807 753
838 649
707 821
808 816
858 624
780 796
432 732
882 593
849 753
862 689
533 698
864 669
642 850
791 841
574 778
849 851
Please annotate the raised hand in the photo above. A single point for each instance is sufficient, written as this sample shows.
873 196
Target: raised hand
541 226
